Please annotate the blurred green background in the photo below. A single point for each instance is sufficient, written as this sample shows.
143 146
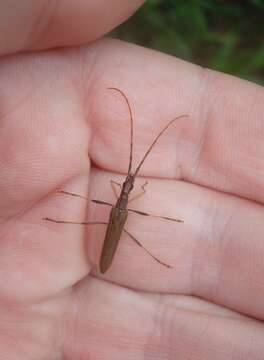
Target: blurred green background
224 35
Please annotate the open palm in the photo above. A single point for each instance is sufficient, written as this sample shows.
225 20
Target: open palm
62 129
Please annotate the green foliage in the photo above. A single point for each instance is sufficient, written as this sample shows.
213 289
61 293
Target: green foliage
224 35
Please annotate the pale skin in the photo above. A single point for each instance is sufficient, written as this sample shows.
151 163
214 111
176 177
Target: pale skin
61 129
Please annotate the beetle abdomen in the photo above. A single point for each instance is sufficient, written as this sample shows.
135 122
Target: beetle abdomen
117 220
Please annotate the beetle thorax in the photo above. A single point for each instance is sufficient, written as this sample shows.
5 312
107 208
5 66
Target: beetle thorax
128 184
126 188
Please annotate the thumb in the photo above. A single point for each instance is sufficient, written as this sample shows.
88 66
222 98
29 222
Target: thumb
35 25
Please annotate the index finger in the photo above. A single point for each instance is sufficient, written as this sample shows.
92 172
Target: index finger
220 146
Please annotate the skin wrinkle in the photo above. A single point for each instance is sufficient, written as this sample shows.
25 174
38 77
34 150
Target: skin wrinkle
196 152
178 159
157 334
223 246
196 342
90 92
24 97
194 270
216 162
170 330
210 231
250 161
17 107
41 23
71 328
240 177
254 101
245 277
209 121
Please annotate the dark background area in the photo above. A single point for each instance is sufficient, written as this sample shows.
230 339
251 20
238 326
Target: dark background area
223 35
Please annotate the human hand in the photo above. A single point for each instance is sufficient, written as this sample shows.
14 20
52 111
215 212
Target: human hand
208 170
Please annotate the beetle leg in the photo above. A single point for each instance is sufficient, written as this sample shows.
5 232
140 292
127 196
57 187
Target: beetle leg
155 216
143 192
75 222
72 194
149 253
113 183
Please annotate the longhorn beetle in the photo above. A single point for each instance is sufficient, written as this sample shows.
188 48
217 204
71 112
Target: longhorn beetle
119 211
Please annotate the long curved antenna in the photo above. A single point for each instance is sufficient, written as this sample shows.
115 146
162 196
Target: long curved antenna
131 126
154 142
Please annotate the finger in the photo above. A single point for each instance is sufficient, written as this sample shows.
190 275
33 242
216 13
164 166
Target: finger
216 254
220 145
46 24
175 327
227 170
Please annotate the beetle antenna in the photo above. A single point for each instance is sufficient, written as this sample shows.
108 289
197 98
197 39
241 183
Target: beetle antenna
155 140
131 126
